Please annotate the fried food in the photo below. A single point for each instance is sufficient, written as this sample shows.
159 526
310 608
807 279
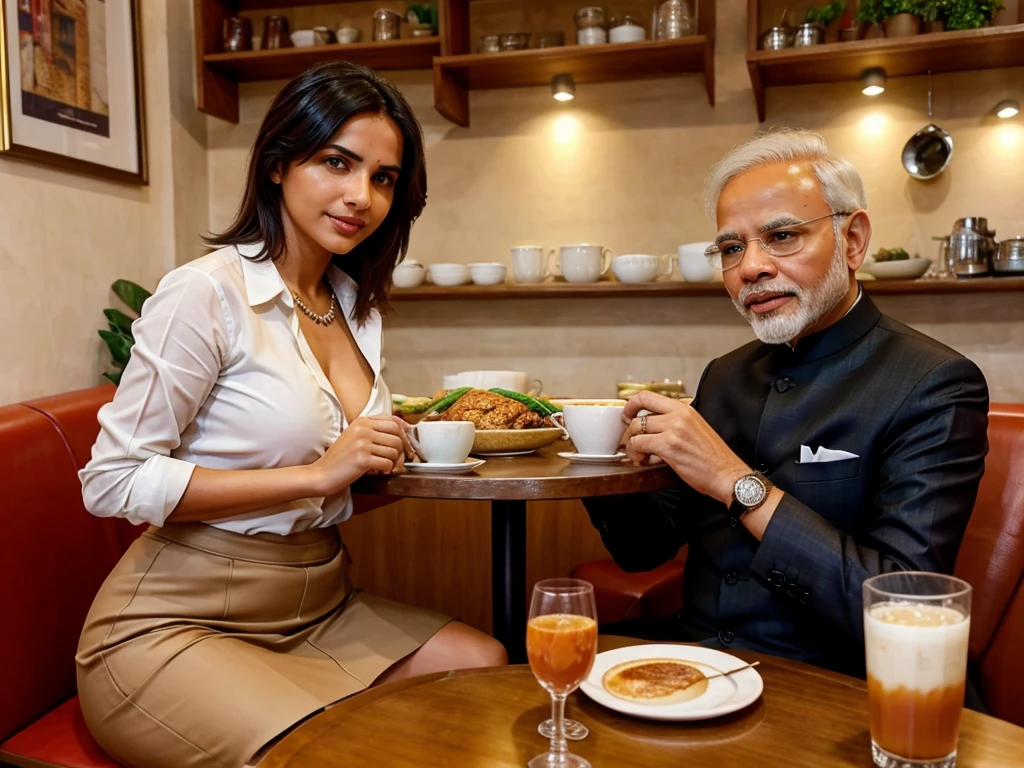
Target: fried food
655 681
489 410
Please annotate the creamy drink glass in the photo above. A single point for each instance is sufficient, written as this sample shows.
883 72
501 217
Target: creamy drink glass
916 629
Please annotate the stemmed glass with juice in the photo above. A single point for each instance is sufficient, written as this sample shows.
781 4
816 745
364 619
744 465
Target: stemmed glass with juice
561 643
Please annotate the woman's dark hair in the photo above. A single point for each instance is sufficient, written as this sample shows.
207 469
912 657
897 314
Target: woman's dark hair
302 119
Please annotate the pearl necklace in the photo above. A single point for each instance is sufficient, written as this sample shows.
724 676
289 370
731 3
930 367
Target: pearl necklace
325 319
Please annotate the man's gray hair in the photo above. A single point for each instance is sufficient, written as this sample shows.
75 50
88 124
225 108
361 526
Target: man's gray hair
841 184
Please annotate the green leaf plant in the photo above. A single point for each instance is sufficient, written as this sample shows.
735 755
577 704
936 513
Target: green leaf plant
118 333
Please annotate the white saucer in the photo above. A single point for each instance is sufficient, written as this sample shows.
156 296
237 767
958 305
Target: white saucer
724 694
593 458
446 469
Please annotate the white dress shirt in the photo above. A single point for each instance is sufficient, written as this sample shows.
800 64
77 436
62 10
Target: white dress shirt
222 377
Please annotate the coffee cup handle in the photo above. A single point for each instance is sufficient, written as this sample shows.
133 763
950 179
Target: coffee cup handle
558 419
536 387
552 264
606 260
414 438
670 261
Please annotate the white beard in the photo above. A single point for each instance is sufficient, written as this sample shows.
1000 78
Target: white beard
782 325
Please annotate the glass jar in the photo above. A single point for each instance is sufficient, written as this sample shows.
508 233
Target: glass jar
674 20
488 44
591 16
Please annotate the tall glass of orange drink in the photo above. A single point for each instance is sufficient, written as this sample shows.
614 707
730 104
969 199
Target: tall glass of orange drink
561 643
916 629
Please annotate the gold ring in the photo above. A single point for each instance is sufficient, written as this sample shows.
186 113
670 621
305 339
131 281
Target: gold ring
643 424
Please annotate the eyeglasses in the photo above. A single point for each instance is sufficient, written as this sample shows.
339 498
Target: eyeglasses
785 240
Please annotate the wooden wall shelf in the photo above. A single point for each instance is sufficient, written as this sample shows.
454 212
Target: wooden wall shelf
454 76
285 63
986 48
609 289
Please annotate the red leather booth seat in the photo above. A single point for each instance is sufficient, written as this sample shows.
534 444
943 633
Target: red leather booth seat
53 557
991 560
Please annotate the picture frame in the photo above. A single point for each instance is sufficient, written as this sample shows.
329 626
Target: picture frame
71 86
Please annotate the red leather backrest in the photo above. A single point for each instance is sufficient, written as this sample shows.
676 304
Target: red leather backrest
1001 668
53 557
74 414
992 555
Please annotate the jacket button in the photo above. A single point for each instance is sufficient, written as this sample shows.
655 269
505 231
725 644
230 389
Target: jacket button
805 597
777 579
783 383
731 577
726 637
734 522
793 589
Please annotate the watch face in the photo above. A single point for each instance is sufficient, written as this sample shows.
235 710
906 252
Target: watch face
750 491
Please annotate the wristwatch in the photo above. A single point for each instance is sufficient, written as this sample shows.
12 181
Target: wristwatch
749 492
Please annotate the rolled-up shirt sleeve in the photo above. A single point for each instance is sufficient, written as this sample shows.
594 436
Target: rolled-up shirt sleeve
181 341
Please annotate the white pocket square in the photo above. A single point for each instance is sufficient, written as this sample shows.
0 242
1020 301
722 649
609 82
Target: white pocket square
822 455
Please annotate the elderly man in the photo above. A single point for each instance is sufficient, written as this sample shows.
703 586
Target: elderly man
840 445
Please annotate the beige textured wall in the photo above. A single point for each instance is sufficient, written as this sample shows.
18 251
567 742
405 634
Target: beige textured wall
65 238
623 165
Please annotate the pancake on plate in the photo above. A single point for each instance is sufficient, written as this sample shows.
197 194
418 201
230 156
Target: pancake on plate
655 681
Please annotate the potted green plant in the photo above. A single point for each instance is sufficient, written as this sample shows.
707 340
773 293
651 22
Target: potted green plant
870 16
816 20
902 17
118 334
933 14
970 14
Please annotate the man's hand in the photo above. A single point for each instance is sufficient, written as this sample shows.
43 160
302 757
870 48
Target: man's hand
678 435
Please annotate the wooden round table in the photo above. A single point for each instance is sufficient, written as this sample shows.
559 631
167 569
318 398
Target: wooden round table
807 717
508 483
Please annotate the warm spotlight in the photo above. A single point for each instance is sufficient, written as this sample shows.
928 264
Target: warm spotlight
873 80
1007 108
563 87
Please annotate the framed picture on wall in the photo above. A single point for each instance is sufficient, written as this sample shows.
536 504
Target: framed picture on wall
71 86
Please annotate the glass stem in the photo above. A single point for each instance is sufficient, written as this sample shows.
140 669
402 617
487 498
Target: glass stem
559 749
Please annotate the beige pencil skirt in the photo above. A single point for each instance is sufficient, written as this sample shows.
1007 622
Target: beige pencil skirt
203 645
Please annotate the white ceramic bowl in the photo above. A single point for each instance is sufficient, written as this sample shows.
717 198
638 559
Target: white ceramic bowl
907 269
302 38
637 268
408 275
347 35
488 273
449 274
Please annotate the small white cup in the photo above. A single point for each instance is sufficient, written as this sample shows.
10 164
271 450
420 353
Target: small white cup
693 264
595 426
529 264
641 267
487 273
303 38
347 35
408 274
443 442
583 263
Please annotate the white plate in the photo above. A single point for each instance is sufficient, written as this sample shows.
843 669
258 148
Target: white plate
724 694
446 469
593 458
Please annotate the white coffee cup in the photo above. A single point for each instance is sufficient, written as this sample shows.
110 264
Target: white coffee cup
584 263
443 442
641 267
693 264
529 264
595 426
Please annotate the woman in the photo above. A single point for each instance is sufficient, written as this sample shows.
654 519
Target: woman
252 401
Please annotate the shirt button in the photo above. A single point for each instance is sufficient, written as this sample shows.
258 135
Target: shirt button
734 522
726 637
731 577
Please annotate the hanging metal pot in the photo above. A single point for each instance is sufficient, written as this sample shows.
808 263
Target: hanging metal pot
929 151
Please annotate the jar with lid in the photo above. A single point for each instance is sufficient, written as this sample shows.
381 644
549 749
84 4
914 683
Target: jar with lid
626 29
673 20
591 16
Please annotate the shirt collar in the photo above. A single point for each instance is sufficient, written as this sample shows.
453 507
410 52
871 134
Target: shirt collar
262 280
861 318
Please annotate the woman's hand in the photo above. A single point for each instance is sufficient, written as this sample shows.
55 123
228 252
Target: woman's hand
680 436
368 445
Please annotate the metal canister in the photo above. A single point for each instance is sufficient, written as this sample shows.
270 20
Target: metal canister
387 25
